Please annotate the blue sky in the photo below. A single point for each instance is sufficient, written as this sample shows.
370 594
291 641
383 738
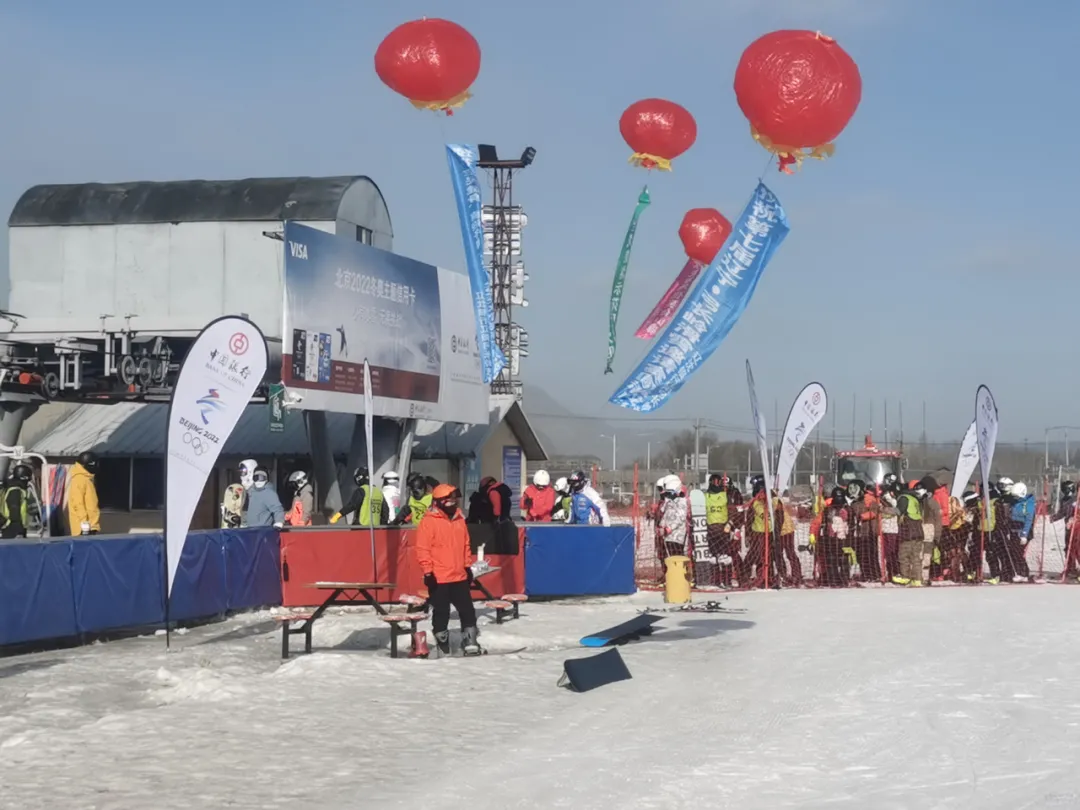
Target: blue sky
935 252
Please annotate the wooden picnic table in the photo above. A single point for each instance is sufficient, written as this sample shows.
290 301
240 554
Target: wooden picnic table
480 586
349 593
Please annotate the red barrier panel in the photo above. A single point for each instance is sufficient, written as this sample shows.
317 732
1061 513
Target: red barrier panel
344 555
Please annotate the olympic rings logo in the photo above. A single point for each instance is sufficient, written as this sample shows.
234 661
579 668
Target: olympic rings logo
196 442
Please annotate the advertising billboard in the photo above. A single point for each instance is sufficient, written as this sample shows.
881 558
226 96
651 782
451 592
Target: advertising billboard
347 302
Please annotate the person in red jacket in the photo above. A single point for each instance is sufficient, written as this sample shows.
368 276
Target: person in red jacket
444 556
538 500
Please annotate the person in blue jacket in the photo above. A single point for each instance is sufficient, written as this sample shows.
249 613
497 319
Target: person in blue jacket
581 505
1023 512
263 506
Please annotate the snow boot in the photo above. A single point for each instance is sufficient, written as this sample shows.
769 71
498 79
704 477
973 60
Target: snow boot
442 639
419 645
469 644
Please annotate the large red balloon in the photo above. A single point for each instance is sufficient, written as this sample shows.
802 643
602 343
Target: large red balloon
798 90
703 232
431 62
658 131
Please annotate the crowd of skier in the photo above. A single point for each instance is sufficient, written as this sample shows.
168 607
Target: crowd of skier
905 533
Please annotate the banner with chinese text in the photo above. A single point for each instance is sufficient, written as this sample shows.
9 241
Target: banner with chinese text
712 309
217 379
463 159
806 412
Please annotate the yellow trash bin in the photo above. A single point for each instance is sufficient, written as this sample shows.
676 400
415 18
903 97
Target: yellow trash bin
677 580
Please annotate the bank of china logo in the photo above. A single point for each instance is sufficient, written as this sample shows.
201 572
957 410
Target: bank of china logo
208 404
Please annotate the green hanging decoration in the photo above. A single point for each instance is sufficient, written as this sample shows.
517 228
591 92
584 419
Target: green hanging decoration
620 275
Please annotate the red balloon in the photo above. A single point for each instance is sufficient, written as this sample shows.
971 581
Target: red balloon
658 131
798 90
431 62
703 232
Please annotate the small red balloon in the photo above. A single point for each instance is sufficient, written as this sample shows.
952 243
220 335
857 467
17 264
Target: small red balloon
658 131
431 62
703 232
798 90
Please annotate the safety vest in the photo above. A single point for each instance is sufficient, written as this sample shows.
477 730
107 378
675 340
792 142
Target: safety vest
989 526
716 510
913 509
418 507
4 509
371 509
758 523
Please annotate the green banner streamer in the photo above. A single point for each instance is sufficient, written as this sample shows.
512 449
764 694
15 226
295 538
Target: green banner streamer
620 274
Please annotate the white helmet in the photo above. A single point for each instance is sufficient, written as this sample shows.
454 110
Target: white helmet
1006 486
673 483
661 482
298 479
1019 490
390 477
541 478
562 485
247 472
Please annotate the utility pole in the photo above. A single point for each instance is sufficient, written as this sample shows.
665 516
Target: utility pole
886 424
853 411
697 449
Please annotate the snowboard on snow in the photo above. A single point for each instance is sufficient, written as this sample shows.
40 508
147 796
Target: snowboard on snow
483 651
702 607
621 633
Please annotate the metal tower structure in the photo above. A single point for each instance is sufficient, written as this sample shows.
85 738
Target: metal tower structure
503 223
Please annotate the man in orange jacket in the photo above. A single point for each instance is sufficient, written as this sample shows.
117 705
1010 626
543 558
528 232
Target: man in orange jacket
444 555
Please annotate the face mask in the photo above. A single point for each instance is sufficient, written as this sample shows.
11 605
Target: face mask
448 508
260 483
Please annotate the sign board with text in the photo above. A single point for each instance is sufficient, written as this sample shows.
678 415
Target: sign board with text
346 301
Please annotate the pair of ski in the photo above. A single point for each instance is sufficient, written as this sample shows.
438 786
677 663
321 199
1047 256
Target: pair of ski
690 607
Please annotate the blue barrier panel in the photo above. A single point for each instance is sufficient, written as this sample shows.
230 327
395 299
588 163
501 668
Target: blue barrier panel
579 560
252 567
36 600
199 588
118 582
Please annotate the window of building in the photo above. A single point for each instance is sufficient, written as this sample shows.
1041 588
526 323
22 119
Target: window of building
113 483
363 235
148 484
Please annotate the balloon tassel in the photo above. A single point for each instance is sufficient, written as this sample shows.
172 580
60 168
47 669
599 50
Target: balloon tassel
620 275
446 105
647 161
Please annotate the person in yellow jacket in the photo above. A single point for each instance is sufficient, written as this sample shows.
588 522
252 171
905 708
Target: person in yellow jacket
84 516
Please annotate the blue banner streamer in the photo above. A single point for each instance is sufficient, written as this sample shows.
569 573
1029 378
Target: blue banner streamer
712 309
463 159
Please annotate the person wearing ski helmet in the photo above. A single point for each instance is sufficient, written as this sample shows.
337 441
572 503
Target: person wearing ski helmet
579 482
418 502
833 532
890 525
444 555
1002 547
263 506
247 468
1019 512
84 514
863 517
560 511
720 534
911 509
366 503
582 510
759 524
674 520
303 499
391 490
14 506
538 499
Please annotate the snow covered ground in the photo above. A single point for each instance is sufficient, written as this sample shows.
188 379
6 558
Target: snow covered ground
873 698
